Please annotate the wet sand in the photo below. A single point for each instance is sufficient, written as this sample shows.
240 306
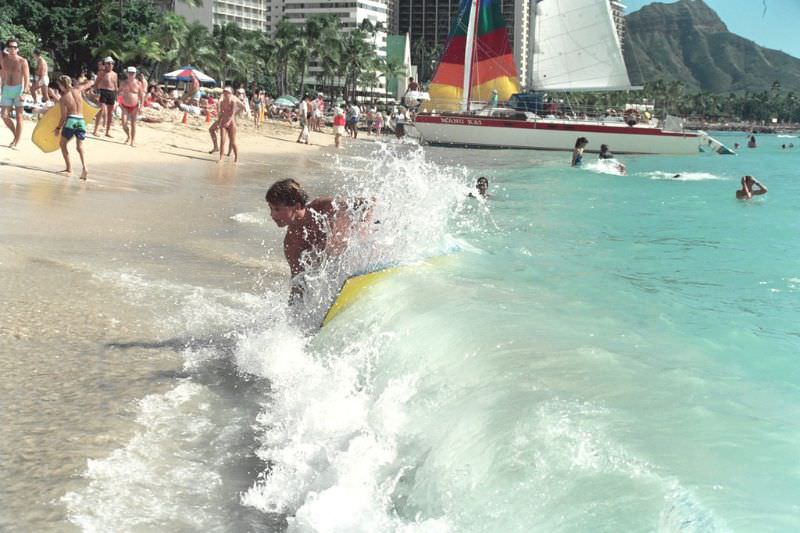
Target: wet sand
82 335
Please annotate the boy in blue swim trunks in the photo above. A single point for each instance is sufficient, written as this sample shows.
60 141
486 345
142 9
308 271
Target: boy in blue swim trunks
16 81
72 122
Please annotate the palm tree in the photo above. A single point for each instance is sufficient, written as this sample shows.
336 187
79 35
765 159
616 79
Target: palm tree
193 48
392 69
357 54
225 43
283 51
329 53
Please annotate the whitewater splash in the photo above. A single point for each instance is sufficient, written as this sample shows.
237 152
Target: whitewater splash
605 166
405 415
682 176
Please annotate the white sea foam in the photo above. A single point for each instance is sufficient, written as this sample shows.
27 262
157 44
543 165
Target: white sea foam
259 218
605 166
153 481
366 427
330 431
184 309
682 176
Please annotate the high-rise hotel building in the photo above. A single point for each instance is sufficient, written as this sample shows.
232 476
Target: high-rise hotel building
247 14
429 21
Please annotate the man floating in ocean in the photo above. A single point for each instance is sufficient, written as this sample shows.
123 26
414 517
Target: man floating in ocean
747 192
314 228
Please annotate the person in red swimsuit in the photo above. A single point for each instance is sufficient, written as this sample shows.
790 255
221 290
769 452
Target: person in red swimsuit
131 95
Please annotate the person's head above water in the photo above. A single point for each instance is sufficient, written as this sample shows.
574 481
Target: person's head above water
482 185
581 142
603 148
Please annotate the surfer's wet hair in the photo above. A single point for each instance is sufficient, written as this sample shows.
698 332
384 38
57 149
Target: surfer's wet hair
287 192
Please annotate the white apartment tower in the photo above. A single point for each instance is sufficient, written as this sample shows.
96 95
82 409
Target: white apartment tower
247 14
351 14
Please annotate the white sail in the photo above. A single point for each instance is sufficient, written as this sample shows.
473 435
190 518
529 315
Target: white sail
576 47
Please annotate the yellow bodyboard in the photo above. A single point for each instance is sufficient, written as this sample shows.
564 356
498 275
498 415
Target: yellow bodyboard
43 135
352 289
354 286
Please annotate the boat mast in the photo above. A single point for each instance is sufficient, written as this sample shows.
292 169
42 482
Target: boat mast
468 53
531 45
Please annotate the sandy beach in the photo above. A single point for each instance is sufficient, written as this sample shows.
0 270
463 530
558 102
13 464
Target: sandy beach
85 332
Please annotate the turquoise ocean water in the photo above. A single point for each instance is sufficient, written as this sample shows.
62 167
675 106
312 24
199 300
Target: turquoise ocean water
588 352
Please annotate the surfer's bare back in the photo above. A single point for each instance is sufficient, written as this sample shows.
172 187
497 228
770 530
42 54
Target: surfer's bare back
315 228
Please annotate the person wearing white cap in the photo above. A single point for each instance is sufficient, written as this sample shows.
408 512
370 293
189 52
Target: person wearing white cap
107 86
228 107
132 95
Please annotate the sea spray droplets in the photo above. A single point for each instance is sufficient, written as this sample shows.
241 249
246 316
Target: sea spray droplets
127 490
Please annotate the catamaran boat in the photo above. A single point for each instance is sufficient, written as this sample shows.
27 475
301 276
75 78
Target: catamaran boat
572 46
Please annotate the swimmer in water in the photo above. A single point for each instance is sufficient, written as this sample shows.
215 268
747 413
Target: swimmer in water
483 188
747 192
577 152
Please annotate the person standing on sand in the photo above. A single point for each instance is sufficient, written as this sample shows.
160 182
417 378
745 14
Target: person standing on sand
141 79
16 81
42 78
319 112
132 95
338 126
107 87
228 107
194 90
306 115
72 123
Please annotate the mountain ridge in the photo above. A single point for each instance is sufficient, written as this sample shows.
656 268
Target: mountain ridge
687 41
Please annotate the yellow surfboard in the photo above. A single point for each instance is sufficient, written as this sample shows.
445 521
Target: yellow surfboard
352 289
43 135
354 286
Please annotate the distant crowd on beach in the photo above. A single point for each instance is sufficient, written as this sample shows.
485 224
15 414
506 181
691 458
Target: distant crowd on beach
127 94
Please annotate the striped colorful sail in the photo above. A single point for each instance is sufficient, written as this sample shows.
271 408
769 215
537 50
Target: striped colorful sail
492 59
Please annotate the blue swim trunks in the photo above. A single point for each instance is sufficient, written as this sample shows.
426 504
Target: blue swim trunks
74 127
11 96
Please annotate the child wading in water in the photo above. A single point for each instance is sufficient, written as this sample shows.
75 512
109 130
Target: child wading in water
72 123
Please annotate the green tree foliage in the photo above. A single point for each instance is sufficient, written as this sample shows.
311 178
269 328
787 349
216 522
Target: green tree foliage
78 33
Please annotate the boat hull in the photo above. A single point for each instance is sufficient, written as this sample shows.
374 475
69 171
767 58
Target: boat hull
544 134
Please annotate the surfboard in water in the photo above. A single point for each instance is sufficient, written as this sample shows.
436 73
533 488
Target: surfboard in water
352 288
43 135
355 286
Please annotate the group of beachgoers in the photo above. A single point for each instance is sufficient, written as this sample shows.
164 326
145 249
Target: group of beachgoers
128 93
750 186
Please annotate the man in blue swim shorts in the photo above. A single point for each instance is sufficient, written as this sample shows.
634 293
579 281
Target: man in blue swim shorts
72 123
16 82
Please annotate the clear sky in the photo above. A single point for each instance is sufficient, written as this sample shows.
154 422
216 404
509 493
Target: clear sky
777 28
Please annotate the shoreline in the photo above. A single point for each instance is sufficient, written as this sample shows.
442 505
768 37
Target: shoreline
157 141
103 280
